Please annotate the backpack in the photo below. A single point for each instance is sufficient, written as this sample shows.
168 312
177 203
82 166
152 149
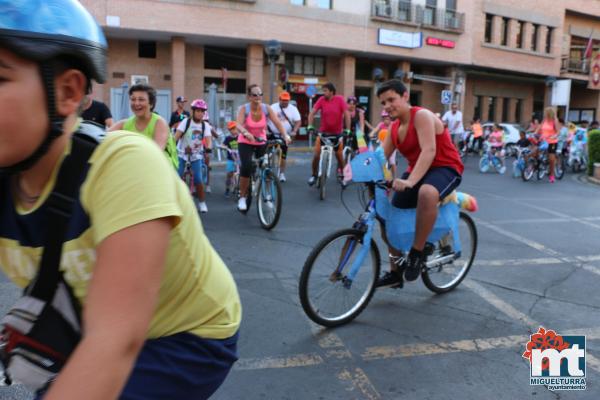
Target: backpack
188 122
39 333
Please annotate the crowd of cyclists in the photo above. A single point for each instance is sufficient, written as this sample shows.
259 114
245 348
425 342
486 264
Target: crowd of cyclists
563 145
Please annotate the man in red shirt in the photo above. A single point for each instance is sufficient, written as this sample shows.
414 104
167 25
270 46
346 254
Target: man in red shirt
334 116
434 171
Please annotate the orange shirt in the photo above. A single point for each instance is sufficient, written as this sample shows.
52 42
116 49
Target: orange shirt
477 130
548 131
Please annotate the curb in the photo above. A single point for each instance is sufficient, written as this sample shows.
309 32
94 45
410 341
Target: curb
593 180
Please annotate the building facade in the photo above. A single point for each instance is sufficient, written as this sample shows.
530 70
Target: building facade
498 59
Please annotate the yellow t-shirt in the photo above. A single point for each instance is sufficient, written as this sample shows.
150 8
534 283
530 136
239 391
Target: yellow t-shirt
130 182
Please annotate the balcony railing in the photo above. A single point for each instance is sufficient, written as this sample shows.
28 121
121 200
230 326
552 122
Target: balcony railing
575 65
401 11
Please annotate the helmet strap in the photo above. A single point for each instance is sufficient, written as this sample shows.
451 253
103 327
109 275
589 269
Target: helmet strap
55 127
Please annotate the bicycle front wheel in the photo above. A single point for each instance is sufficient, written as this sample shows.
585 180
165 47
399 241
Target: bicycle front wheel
269 200
484 164
529 170
329 296
323 178
275 162
446 268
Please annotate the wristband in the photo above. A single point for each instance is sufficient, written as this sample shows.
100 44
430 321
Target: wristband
208 151
310 128
347 131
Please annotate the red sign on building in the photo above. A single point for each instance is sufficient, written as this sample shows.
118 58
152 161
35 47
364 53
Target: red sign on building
449 44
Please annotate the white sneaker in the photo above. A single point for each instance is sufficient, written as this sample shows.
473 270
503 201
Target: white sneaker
242 204
282 177
202 207
208 189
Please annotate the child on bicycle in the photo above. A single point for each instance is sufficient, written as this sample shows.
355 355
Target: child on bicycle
231 144
496 141
193 134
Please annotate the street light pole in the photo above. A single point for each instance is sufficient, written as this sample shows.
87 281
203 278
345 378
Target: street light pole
273 50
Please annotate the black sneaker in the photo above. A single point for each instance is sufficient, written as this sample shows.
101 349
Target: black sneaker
413 268
390 279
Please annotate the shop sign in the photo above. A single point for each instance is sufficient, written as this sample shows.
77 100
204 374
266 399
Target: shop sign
448 44
409 40
594 82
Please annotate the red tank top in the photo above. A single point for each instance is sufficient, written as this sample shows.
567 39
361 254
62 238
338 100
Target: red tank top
446 154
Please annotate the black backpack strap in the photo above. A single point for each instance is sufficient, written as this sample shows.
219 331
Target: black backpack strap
60 205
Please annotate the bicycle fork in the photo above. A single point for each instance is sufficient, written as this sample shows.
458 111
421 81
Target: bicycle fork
369 221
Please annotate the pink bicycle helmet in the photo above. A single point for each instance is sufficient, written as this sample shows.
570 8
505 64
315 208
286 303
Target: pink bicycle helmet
199 104
384 114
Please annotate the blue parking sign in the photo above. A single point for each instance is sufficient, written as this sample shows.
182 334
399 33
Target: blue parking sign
446 96
311 90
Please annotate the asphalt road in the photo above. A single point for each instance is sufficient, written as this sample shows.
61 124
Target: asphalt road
538 264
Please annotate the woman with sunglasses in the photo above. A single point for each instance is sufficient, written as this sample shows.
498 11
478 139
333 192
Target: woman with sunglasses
252 138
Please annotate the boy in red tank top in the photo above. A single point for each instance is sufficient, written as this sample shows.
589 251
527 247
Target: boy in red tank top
434 171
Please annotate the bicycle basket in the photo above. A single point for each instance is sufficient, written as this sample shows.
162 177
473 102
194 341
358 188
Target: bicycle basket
366 167
400 226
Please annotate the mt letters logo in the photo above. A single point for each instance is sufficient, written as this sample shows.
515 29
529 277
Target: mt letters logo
557 362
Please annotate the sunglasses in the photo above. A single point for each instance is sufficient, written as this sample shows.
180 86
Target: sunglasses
256 94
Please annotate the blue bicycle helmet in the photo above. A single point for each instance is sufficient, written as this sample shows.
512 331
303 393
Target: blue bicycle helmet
46 30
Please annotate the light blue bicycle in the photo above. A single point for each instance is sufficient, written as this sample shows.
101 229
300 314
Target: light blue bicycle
338 278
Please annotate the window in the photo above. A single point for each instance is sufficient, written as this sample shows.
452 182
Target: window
224 57
383 8
520 34
534 37
404 10
325 4
491 109
477 108
518 110
489 21
309 65
415 98
305 65
146 49
549 40
504 39
451 5
429 12
298 2
363 70
505 109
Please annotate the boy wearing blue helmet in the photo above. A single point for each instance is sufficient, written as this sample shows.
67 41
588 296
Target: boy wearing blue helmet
159 309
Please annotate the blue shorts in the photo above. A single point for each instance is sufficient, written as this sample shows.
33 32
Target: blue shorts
196 170
182 366
230 166
444 179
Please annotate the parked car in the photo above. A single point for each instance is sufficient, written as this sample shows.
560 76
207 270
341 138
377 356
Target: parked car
511 135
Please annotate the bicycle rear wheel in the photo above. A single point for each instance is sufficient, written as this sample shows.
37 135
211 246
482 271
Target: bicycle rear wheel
559 167
269 200
446 268
327 294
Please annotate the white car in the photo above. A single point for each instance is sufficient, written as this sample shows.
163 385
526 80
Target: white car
511 135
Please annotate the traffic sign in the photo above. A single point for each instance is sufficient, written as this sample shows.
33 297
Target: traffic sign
311 90
446 96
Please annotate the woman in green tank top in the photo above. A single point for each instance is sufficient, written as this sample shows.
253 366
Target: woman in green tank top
142 99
